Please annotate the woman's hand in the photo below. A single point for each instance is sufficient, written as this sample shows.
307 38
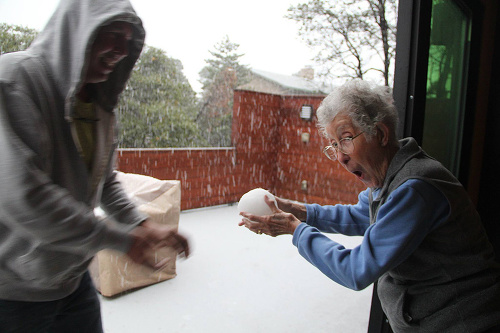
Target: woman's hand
279 223
297 209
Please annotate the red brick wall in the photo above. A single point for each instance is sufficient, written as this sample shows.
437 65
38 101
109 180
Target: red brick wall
268 152
327 181
255 136
207 176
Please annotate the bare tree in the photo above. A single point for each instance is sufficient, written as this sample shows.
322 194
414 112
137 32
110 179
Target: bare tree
352 37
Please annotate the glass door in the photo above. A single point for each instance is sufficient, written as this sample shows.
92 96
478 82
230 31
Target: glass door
446 83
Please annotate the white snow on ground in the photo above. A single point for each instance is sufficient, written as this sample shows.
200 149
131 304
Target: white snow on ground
237 281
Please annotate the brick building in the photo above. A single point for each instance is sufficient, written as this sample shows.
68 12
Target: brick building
275 145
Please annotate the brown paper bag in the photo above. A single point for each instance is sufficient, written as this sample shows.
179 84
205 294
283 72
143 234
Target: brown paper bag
113 272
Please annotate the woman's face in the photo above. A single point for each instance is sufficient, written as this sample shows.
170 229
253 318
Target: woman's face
368 161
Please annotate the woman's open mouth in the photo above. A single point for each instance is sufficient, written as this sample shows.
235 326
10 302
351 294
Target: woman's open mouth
358 174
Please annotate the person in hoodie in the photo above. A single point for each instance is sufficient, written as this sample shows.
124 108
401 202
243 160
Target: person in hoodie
423 240
57 142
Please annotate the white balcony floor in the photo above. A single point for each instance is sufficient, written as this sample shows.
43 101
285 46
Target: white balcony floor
237 281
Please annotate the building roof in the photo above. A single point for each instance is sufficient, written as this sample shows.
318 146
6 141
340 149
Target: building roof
267 82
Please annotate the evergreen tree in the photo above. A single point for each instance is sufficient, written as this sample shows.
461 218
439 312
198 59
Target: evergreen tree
158 106
15 38
219 78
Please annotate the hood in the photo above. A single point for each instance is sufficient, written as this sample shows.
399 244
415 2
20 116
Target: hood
65 43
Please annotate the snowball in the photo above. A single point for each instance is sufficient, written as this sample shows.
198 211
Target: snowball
253 202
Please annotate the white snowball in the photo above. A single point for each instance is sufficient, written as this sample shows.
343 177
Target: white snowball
253 202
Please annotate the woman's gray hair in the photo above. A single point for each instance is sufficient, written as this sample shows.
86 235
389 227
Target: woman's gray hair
365 103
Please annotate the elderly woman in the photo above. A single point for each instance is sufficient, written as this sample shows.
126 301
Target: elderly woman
422 237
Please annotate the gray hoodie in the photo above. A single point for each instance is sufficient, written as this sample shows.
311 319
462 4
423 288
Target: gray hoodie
48 231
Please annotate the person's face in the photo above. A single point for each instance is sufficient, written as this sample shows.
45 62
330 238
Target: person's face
109 48
367 160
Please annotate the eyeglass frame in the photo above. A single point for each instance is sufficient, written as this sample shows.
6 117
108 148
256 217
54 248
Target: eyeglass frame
349 138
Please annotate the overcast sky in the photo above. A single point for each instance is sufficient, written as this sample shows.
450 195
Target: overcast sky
188 29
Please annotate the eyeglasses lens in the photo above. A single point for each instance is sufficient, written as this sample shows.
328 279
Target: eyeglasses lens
346 146
330 152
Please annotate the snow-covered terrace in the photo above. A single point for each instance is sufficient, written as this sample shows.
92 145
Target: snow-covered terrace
237 281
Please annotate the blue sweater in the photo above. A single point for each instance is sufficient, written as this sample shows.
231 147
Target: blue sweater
409 214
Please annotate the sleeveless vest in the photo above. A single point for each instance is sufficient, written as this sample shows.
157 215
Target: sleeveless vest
451 282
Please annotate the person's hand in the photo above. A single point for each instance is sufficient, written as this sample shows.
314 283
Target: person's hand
141 244
278 223
165 236
150 236
295 208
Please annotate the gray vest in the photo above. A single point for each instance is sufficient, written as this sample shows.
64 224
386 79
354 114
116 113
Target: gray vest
451 282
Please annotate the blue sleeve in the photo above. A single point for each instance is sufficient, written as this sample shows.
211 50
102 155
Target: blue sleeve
403 221
351 220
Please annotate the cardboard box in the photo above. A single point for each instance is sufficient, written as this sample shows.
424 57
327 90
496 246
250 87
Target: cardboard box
113 272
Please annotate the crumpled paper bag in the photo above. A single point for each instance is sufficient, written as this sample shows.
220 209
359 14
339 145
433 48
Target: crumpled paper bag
112 271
